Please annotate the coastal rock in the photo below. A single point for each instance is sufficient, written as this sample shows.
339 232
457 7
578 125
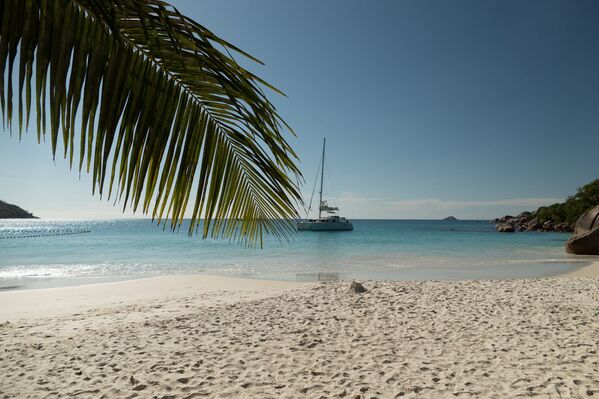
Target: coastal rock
505 228
585 240
450 218
587 221
527 221
533 224
525 215
584 244
563 228
548 225
502 220
356 288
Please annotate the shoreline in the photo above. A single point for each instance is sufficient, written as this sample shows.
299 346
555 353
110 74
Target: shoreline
54 301
58 301
589 270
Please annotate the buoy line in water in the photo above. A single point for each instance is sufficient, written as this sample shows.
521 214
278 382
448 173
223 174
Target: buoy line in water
50 233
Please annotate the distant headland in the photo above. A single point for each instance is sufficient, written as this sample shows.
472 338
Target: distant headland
10 211
559 217
450 218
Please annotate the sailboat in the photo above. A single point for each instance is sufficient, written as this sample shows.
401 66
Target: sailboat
331 222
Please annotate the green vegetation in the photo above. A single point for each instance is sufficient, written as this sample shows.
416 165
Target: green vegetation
155 107
10 211
585 198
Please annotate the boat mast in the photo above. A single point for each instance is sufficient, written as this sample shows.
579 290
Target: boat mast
321 177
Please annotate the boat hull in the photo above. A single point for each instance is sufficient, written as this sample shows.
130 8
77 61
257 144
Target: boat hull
324 226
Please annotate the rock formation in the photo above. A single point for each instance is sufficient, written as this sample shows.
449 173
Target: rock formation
585 240
527 221
450 218
356 288
505 228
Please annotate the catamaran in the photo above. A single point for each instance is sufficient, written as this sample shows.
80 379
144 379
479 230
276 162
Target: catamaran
331 222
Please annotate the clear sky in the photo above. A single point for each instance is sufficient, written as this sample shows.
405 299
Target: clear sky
430 108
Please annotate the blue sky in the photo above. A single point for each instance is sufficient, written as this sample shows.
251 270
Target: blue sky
430 108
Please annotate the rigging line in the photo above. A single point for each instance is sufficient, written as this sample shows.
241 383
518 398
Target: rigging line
312 196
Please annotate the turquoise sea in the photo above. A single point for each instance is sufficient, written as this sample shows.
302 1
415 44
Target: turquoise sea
41 253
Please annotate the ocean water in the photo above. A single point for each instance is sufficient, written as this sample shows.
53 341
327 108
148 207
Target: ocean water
47 253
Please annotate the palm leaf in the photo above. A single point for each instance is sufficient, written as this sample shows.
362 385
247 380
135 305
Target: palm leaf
154 109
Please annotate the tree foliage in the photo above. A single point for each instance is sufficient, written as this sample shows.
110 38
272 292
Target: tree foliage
154 106
586 197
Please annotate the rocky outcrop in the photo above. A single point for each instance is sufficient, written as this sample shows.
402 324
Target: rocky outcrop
356 288
527 221
501 220
505 228
450 218
585 240
10 211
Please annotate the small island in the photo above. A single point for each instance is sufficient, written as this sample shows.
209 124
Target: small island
10 211
450 219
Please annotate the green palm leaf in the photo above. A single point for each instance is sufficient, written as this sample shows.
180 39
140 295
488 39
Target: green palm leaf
154 109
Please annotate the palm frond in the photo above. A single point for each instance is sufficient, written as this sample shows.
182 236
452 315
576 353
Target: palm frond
154 108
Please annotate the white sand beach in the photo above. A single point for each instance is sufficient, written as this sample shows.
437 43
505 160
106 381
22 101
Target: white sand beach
590 270
205 336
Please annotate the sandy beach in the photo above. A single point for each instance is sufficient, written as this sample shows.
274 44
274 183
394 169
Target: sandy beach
590 270
205 336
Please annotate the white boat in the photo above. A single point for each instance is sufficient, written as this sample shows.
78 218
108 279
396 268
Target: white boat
332 222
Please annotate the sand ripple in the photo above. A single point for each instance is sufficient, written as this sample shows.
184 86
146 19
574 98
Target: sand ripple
515 338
